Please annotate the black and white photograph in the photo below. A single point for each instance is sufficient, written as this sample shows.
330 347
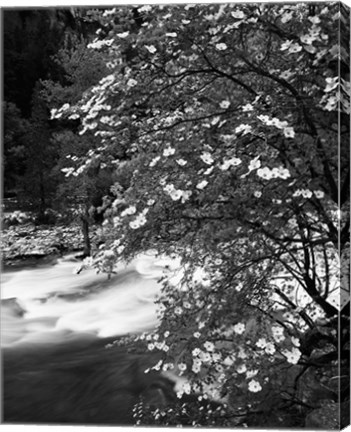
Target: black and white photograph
175 215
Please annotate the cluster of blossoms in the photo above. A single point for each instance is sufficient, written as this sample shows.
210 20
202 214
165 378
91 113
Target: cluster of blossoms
206 355
155 343
229 163
287 16
128 211
306 193
201 185
151 48
68 171
247 108
277 172
185 387
209 356
238 328
169 151
291 46
93 106
98 44
207 158
177 194
161 346
314 35
253 165
132 82
272 121
57 113
330 102
154 161
254 386
137 222
332 84
224 104
120 249
279 124
278 333
140 220
293 355
244 129
221 47
181 162
76 172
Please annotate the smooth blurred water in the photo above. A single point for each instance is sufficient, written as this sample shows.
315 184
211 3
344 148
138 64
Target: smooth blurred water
55 326
58 303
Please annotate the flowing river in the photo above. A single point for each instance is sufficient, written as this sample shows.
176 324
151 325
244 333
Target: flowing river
55 325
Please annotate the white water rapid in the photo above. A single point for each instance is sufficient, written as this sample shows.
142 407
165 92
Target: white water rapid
59 304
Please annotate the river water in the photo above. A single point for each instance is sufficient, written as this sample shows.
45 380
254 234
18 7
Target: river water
58 302
55 325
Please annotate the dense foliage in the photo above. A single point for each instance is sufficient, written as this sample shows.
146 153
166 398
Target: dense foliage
46 62
226 128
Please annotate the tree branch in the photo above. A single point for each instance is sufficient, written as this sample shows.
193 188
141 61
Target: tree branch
302 314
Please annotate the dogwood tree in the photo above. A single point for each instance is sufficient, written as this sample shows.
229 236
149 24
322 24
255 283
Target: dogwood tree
232 126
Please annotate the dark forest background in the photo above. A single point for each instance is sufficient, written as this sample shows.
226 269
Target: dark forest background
39 47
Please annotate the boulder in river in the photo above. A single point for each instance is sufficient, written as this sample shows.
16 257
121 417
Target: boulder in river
12 305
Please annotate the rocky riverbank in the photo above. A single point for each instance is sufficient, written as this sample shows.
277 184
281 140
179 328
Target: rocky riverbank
27 245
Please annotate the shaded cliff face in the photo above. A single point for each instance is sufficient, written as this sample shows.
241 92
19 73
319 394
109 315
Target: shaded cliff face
30 38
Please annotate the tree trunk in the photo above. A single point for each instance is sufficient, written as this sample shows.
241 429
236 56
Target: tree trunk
42 205
311 290
85 230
